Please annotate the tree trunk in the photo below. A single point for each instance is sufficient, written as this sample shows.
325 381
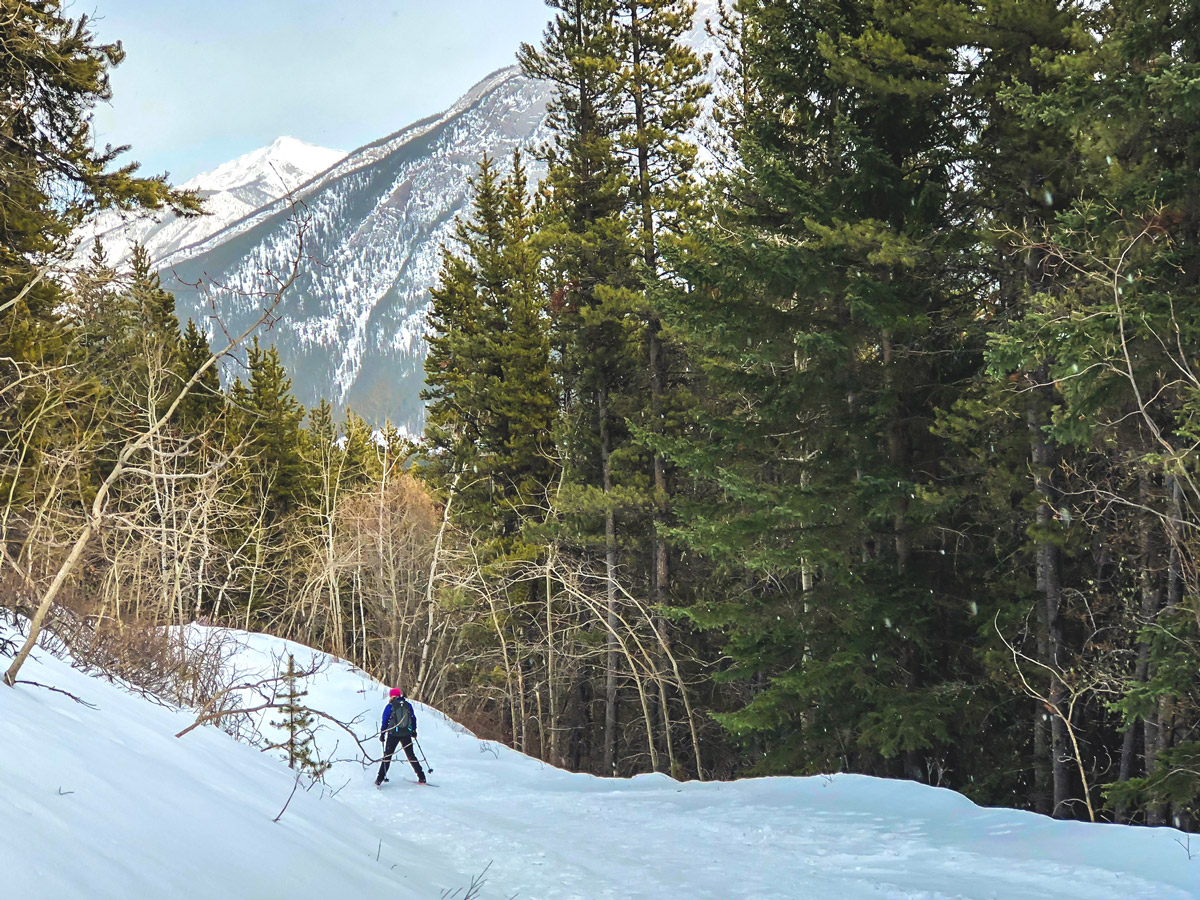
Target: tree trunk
1151 597
554 756
660 574
1166 703
610 570
1049 583
423 667
1043 801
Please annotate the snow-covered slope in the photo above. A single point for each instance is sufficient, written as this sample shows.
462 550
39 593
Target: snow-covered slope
230 192
102 801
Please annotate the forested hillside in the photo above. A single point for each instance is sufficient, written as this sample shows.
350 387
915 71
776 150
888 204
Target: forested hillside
861 441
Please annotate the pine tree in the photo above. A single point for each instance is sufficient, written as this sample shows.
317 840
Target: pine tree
824 304
660 79
270 419
492 398
205 401
596 303
53 72
268 485
491 412
155 307
1100 335
1023 174
297 721
362 467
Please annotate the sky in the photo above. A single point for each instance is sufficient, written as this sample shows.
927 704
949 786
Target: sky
205 81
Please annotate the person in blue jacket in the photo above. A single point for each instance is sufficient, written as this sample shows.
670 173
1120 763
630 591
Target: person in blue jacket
399 726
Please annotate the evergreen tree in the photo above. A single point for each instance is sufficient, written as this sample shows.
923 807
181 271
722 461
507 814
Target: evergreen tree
362 466
1101 336
53 72
825 305
491 397
268 484
206 400
1023 175
270 420
155 307
660 79
596 303
297 721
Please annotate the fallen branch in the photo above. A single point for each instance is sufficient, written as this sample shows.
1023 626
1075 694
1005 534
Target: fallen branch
79 700
289 799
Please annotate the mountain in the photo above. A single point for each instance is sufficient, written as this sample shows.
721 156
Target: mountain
351 326
230 192
102 801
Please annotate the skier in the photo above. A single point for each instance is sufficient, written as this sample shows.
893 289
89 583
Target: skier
399 727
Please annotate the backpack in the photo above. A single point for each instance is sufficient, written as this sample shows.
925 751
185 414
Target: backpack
400 718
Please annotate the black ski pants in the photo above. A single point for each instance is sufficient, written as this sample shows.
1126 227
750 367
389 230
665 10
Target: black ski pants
393 740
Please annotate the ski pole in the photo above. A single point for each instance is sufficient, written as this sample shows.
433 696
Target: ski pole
424 759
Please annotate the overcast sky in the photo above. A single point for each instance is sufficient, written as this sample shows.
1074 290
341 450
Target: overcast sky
205 81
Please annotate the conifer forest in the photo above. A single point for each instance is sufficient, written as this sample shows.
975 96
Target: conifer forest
837 413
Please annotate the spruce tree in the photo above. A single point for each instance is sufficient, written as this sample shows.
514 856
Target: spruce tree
824 304
205 401
53 72
1101 335
491 397
297 722
595 304
1023 175
268 484
270 418
660 79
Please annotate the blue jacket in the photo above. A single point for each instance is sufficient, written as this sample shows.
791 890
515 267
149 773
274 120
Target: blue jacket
400 715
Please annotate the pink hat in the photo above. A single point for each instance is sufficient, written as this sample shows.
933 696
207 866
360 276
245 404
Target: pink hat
395 692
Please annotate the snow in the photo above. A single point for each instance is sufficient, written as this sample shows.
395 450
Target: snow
352 328
230 192
105 802
273 164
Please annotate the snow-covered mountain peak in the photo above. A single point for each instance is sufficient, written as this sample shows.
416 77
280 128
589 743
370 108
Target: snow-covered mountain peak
282 161
351 329
230 192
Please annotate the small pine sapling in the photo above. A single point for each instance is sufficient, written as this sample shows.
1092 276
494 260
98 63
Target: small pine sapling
297 722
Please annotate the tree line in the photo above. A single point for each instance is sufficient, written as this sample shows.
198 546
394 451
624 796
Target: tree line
834 413
874 397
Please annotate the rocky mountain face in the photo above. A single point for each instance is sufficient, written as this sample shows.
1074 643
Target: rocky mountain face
360 245
363 241
230 192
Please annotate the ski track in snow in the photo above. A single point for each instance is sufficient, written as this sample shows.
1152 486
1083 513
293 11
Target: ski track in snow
106 803
554 835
